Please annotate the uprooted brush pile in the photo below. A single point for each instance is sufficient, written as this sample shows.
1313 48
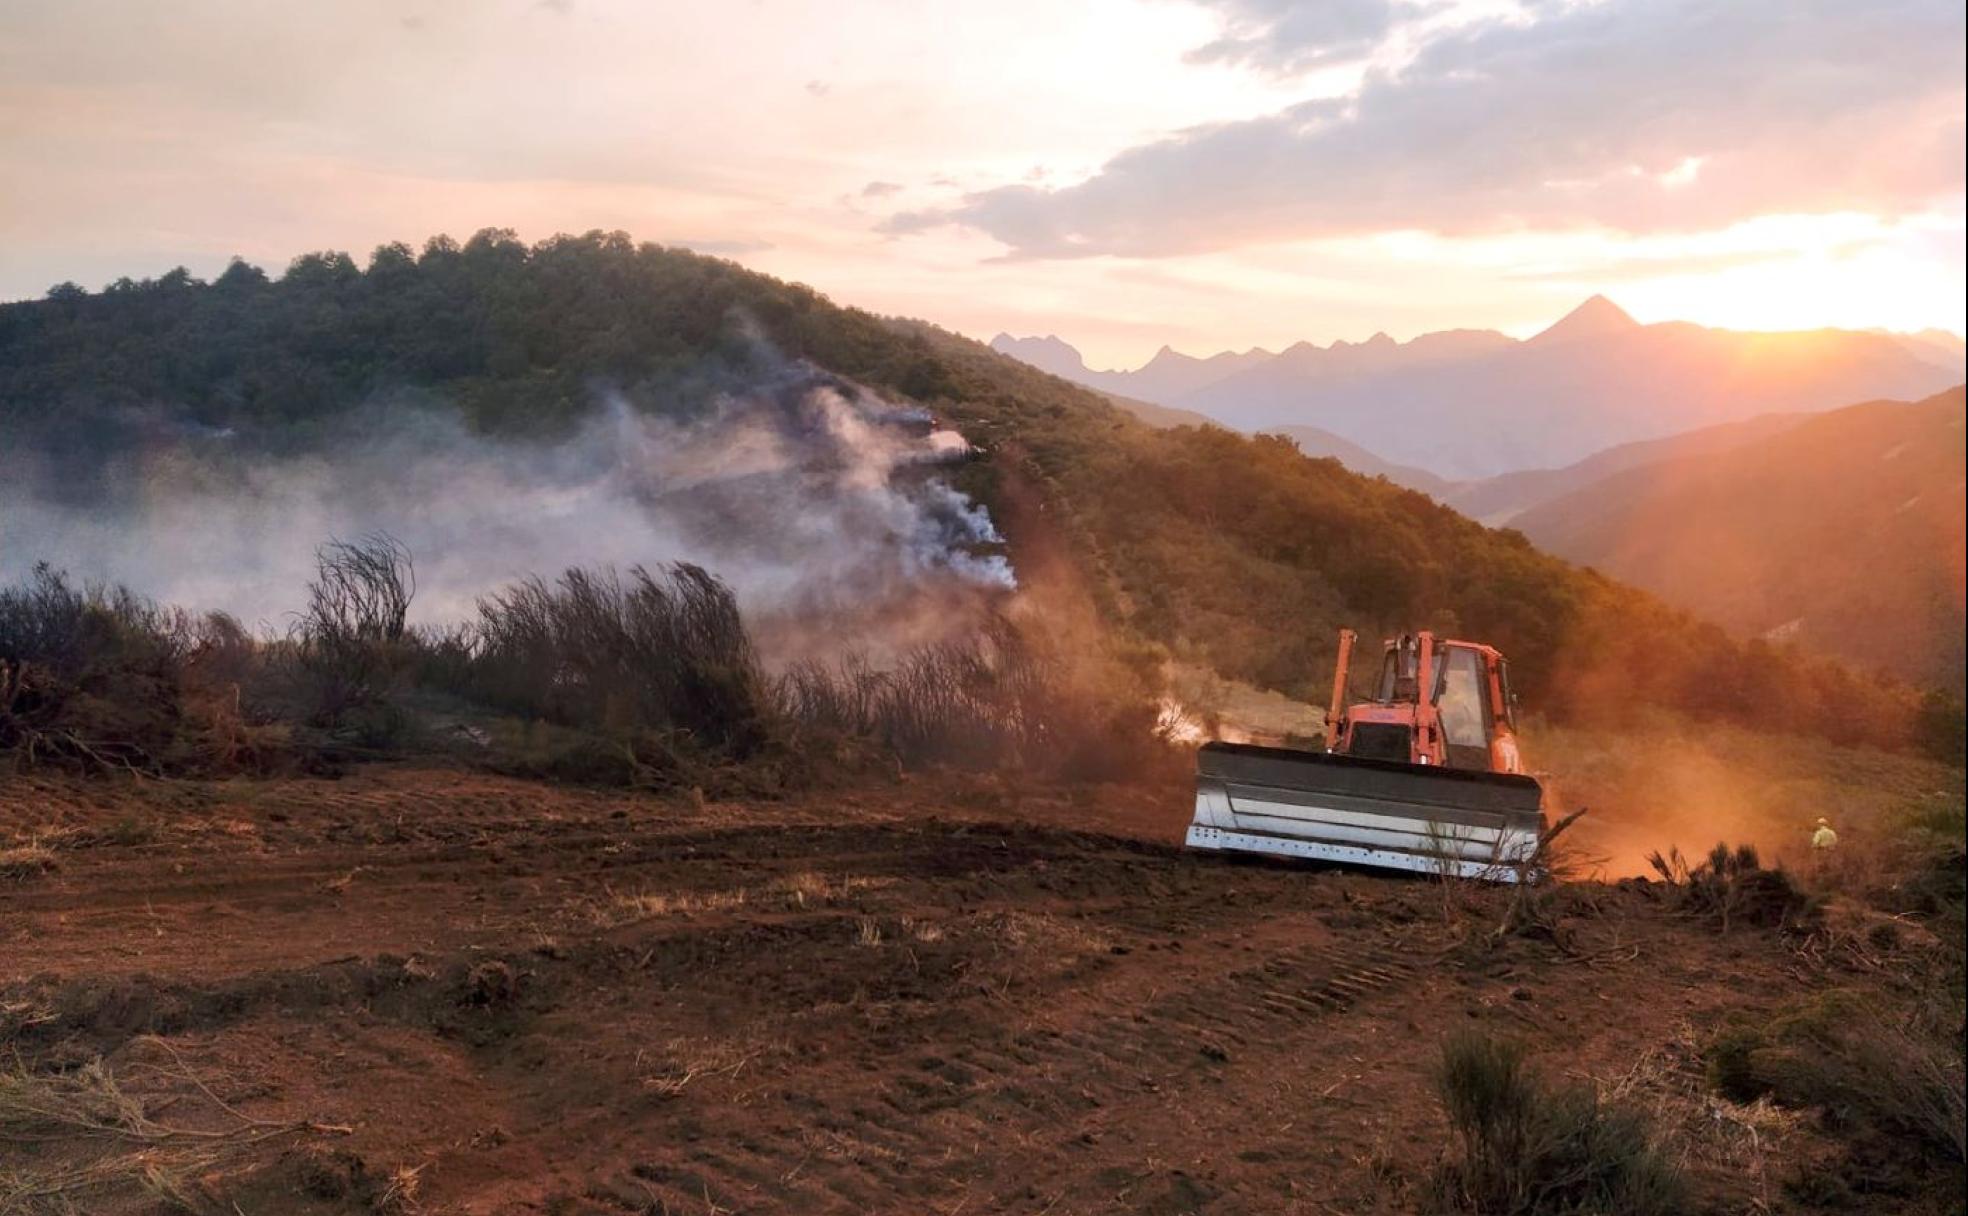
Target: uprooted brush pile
1732 886
134 1151
644 678
99 679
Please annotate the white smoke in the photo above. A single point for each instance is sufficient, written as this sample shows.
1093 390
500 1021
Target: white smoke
812 496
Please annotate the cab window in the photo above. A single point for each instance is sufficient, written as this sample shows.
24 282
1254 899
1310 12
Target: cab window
1397 673
1462 700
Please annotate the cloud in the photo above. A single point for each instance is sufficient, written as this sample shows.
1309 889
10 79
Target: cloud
1289 36
1646 266
880 189
1630 115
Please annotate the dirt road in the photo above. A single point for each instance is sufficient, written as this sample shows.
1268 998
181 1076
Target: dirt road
429 990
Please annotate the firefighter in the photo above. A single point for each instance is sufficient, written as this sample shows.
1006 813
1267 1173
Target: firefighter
1824 840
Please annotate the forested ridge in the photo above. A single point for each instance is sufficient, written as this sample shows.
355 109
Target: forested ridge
1233 550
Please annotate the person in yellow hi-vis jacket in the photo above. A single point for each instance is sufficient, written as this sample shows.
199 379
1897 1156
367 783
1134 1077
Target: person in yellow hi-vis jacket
1824 847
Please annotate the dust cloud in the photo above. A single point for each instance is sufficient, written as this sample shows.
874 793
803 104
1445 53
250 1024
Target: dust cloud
1656 782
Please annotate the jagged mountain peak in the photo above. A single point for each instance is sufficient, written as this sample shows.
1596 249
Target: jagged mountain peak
1597 317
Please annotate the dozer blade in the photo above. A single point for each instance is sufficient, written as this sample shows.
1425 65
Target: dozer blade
1365 812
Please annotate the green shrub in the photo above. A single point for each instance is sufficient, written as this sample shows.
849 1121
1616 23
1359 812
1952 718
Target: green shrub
1730 1063
1527 1148
1869 1070
1940 727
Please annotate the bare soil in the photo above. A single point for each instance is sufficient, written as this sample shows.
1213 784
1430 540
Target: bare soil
425 989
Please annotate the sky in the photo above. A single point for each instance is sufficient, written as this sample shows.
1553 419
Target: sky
1209 174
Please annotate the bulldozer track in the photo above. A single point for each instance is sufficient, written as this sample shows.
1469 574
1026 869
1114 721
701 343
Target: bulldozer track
1126 980
597 1006
1009 1086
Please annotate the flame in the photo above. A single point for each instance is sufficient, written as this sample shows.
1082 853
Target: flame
1179 724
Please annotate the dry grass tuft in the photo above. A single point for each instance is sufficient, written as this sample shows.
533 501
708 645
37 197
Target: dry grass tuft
616 908
399 1194
1710 1134
809 888
682 1062
25 861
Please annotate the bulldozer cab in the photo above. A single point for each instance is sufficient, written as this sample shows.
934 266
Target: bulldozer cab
1459 724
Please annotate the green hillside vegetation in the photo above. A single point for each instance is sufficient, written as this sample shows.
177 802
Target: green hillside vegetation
1235 551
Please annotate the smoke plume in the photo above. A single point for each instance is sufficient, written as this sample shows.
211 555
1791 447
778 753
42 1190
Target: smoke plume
829 510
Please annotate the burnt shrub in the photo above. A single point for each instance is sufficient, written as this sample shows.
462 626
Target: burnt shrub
997 698
351 647
659 660
1527 1148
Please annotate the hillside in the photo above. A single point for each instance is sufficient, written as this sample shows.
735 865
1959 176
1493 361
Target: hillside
1311 440
1319 442
1158 416
1937 346
1499 500
1843 532
1231 550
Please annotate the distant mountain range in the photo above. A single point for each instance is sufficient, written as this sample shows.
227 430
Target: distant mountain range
1471 404
1160 381
1842 531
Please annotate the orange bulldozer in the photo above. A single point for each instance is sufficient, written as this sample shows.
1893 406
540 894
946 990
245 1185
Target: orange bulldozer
1424 775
